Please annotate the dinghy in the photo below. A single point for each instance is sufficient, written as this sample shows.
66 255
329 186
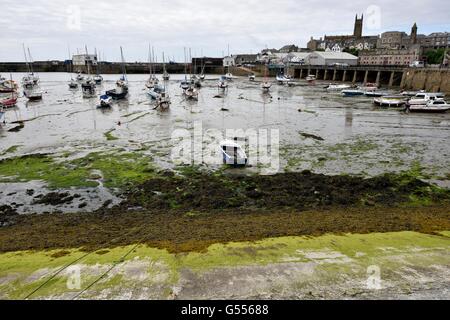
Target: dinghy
352 92
163 102
233 154
105 101
88 88
8 103
337 87
251 77
390 101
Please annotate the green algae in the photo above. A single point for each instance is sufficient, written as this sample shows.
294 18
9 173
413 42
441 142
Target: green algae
108 135
118 169
332 255
11 149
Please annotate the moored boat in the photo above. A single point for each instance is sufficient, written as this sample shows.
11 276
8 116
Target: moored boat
88 88
311 79
163 102
390 101
222 83
233 154
121 89
251 77
105 101
337 87
9 102
438 105
375 93
352 92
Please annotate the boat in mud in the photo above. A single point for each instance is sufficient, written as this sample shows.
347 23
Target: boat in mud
368 86
191 93
438 105
80 77
265 86
88 88
222 83
422 98
337 87
8 86
311 79
98 79
390 101
233 154
121 89
9 102
105 101
166 75
375 93
251 77
155 92
73 84
281 78
352 92
33 94
152 79
163 102
229 76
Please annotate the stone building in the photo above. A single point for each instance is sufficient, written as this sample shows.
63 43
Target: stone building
383 57
340 42
240 59
435 40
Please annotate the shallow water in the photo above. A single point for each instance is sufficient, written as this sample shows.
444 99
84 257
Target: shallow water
357 137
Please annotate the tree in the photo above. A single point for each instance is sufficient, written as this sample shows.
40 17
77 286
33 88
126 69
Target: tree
435 56
352 51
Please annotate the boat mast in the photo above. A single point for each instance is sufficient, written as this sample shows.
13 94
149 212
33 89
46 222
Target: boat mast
26 58
164 64
124 71
185 66
87 56
31 61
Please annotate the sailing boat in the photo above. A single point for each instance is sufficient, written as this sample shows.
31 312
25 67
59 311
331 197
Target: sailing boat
228 75
72 83
188 87
166 75
9 102
152 79
98 78
163 100
202 73
121 90
195 79
30 82
265 86
185 83
88 86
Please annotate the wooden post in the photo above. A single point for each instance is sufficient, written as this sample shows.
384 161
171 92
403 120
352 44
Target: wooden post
301 73
317 74
354 77
334 75
325 74
344 75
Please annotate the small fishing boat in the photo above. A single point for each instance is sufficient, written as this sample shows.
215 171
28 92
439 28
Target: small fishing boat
166 76
337 87
375 93
368 86
251 77
202 77
9 102
191 93
222 83
265 86
121 89
311 78
352 92
88 88
233 154
80 77
33 94
438 105
163 102
8 86
105 101
155 92
390 101
423 97
98 79
73 84
229 76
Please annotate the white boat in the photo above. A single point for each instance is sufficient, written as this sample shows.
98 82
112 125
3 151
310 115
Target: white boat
390 101
191 93
233 154
229 76
163 102
88 88
33 94
222 83
438 105
311 78
422 98
375 93
251 77
105 101
98 79
265 86
80 77
338 87
352 92
152 79
73 84
155 92
368 86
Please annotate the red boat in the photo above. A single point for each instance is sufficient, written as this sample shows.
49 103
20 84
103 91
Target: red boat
11 102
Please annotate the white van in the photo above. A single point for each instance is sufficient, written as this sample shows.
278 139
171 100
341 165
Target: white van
417 64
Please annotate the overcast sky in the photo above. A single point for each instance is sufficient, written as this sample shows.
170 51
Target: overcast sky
48 27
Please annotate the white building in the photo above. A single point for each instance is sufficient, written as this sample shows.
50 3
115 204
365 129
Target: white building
83 59
228 61
324 58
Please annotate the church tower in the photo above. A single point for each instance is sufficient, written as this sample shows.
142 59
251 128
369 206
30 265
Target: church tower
357 32
414 34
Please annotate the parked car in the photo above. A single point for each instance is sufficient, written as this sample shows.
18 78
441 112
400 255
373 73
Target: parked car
417 64
338 64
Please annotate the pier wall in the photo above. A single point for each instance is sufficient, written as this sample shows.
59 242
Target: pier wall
435 80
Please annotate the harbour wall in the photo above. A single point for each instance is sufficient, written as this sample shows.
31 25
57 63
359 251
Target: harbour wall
104 67
433 80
